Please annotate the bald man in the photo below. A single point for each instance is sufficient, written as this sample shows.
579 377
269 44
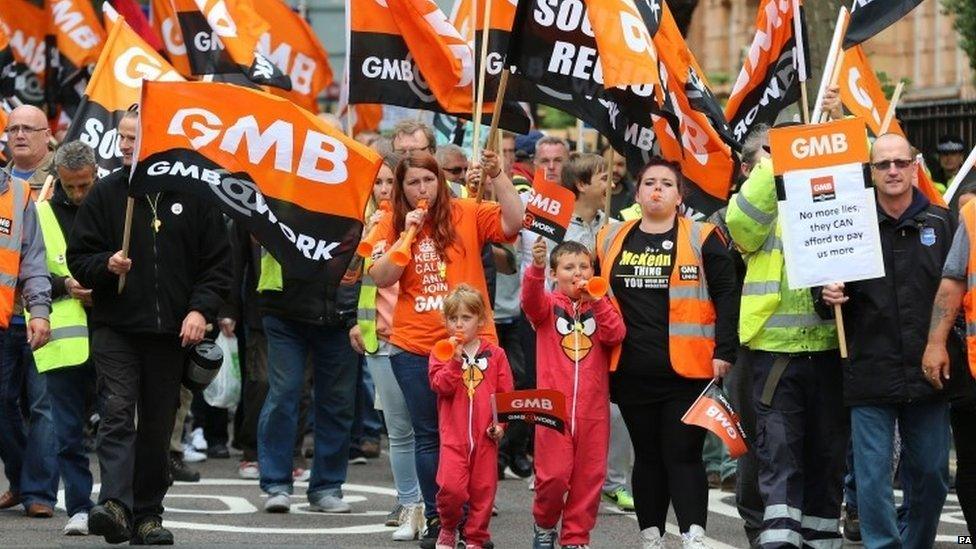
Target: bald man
27 137
885 383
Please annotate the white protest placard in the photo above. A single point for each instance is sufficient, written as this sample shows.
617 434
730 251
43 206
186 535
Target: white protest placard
826 203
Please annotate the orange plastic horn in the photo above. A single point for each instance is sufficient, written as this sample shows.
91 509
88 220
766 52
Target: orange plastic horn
444 349
366 245
596 286
401 254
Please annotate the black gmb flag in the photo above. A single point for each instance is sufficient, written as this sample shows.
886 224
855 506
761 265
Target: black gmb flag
295 183
869 17
221 38
383 69
554 51
770 77
557 64
125 62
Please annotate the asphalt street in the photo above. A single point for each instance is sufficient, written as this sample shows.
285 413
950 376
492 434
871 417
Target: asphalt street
223 510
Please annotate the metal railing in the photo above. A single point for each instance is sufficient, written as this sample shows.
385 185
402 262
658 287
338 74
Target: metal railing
924 123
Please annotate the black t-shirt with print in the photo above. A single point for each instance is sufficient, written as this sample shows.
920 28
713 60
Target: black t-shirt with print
640 279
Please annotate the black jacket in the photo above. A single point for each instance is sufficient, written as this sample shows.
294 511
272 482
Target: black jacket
182 268
64 211
312 302
887 319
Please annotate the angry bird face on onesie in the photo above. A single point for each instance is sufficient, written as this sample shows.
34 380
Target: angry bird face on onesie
577 333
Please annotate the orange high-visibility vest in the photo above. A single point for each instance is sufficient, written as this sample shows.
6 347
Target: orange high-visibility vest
13 203
968 215
691 313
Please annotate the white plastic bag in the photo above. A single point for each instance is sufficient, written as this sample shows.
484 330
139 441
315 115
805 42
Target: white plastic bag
225 390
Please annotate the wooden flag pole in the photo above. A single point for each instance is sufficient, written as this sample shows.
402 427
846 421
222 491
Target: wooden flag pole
960 175
802 72
609 197
890 115
579 135
804 103
126 236
493 130
841 335
833 59
45 188
482 75
834 78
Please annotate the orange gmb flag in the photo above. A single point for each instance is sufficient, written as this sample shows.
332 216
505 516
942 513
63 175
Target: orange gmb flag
443 56
295 183
549 210
366 117
221 37
292 46
627 51
861 93
125 62
26 25
79 34
712 411
164 22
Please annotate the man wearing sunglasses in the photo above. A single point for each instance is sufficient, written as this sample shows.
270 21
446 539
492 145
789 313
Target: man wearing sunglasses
885 384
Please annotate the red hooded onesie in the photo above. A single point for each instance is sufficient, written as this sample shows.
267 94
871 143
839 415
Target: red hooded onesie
468 467
573 345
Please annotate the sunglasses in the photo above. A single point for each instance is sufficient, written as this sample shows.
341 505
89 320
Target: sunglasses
885 165
456 171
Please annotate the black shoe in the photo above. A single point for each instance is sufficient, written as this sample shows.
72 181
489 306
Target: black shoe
110 520
521 466
502 464
852 525
178 469
429 540
218 451
150 531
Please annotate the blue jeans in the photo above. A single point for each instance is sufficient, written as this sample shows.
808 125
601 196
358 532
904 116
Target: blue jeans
290 343
924 428
366 424
398 428
411 374
68 389
35 463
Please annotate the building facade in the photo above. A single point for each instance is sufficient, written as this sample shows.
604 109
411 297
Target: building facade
922 47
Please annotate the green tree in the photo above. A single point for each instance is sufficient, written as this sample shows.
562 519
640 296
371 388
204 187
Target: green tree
965 13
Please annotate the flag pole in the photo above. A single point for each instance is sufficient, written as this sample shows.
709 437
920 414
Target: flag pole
836 43
579 135
493 130
960 175
482 74
126 236
890 115
834 78
609 197
45 188
801 61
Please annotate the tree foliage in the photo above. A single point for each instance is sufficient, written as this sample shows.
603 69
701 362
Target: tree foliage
965 14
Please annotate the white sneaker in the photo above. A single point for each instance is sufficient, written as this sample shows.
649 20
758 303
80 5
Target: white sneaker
77 525
694 538
191 455
329 504
248 470
197 441
651 538
411 522
278 503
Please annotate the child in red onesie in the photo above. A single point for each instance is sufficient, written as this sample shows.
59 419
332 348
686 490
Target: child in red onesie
575 335
467 471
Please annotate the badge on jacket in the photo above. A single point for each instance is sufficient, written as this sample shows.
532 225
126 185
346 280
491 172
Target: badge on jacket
927 236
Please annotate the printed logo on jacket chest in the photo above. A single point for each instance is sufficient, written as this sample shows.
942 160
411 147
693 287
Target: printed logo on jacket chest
6 225
688 272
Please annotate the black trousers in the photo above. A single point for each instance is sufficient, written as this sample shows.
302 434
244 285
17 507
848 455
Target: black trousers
136 374
964 434
518 436
738 385
668 466
255 389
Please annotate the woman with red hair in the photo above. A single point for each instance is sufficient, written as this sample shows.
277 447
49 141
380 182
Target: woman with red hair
445 252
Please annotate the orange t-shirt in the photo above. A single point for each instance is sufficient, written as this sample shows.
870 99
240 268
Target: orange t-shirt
428 278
